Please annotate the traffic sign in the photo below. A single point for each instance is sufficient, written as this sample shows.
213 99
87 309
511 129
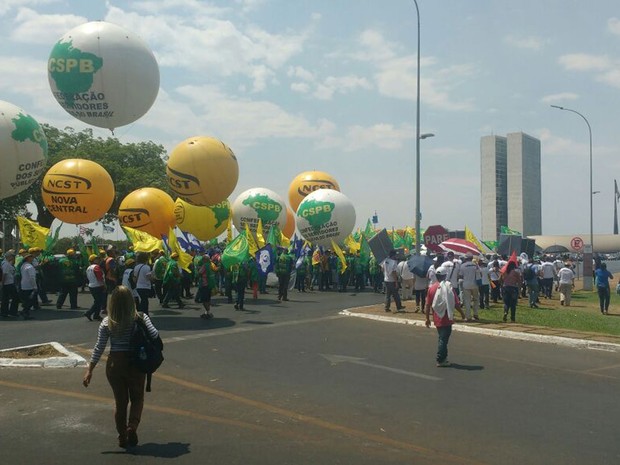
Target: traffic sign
435 235
576 243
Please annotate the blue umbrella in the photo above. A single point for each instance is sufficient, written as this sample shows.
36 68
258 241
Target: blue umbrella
419 264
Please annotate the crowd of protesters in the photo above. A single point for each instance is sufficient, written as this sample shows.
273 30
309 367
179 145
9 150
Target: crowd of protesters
479 281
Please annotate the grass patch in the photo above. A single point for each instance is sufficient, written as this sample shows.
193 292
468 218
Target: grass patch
42 351
583 314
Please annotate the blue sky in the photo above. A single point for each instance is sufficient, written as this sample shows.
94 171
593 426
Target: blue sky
295 85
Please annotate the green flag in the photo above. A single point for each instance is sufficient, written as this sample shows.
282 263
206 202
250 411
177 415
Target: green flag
510 232
364 250
369 232
409 240
491 245
274 236
397 240
50 241
236 252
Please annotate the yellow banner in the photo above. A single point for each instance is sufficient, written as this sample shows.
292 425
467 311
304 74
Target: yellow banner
253 248
185 259
338 251
142 242
31 233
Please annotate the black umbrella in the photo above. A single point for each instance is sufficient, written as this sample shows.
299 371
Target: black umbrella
556 249
419 264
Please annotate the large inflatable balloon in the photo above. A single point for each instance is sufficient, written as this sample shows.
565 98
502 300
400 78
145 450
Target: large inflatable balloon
324 216
205 223
103 74
148 209
23 150
77 191
256 203
289 227
202 171
307 182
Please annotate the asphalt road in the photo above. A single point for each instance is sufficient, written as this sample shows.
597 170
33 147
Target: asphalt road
296 383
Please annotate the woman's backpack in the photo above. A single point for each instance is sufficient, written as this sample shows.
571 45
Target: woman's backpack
147 352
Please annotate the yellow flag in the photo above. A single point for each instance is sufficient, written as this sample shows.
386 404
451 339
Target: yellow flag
352 244
316 257
284 241
142 241
343 261
31 233
471 237
229 231
185 259
260 238
251 242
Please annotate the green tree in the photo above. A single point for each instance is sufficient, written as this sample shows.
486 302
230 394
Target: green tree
131 167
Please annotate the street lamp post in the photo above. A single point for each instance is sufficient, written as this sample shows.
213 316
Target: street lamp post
587 277
417 143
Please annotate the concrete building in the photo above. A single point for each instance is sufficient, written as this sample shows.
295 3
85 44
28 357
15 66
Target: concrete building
510 184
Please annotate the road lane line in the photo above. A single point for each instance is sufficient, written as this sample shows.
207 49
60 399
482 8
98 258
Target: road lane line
300 417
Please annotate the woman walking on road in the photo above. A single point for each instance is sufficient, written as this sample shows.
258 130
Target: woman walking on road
127 381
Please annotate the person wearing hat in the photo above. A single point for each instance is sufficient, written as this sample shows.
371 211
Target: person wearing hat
390 278
172 282
10 297
28 286
566 280
38 262
69 276
96 286
471 276
442 300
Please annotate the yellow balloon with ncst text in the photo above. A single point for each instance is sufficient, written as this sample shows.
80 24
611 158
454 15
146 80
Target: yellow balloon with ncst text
202 171
205 223
77 191
148 209
306 183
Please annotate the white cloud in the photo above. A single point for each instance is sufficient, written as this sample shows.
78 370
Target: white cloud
34 28
301 87
561 97
613 25
301 73
382 135
7 5
341 84
212 46
585 62
528 43
611 77
396 75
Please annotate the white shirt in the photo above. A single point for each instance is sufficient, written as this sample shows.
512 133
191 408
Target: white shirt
431 276
142 272
548 270
8 272
494 272
126 283
453 268
29 277
469 272
421 283
92 277
566 276
389 266
403 271
484 271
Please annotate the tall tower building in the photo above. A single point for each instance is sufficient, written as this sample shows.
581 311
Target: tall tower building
510 184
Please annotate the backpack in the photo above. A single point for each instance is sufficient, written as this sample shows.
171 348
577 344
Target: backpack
444 301
147 353
528 273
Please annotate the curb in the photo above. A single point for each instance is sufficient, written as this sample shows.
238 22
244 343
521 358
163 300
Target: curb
545 339
70 360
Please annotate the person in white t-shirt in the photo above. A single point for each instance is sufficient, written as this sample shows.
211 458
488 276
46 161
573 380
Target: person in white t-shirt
406 280
390 277
144 284
547 271
566 279
470 274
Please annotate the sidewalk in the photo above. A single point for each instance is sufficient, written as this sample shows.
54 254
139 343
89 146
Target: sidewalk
518 331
